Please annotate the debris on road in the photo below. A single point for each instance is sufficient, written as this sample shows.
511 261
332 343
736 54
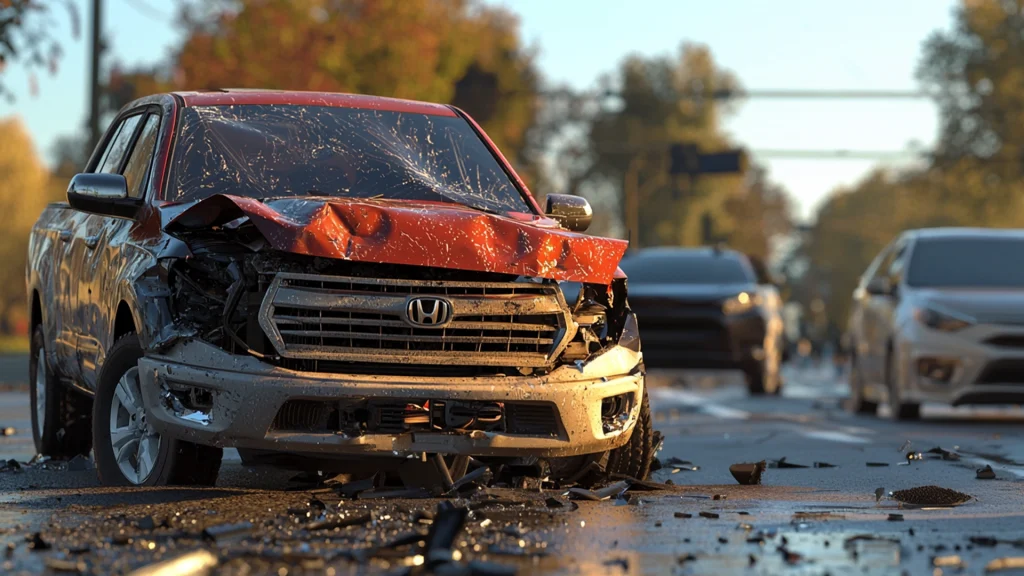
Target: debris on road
37 543
895 518
1007 563
678 464
227 532
782 463
197 563
709 515
683 515
986 473
877 464
945 454
931 496
879 492
911 456
824 465
951 561
11 465
748 474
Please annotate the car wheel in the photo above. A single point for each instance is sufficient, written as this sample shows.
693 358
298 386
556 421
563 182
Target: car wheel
858 403
632 459
900 410
60 417
129 451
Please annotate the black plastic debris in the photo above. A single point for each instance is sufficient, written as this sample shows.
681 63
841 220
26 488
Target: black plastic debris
11 465
877 464
879 492
986 473
709 515
352 489
895 518
448 522
790 557
679 464
79 463
945 454
605 493
145 523
824 465
782 463
719 497
227 532
931 496
552 502
478 478
748 474
683 515
335 523
985 541
37 543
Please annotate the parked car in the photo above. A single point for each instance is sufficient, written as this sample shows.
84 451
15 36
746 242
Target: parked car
939 317
338 278
706 308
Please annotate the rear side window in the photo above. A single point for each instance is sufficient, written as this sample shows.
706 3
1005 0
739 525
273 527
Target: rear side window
687 269
118 146
136 170
967 263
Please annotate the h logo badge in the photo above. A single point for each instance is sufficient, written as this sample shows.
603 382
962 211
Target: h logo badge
428 312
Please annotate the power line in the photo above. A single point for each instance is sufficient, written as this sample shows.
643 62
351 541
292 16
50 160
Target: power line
772 94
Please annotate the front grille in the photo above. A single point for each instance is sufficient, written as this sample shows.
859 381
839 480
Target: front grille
338 318
392 416
1003 372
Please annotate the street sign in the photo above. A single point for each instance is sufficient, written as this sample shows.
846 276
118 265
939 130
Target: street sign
687 159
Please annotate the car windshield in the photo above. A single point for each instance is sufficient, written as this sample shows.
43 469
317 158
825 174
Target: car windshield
967 262
686 269
264 151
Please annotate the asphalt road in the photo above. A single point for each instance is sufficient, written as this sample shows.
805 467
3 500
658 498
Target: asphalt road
799 520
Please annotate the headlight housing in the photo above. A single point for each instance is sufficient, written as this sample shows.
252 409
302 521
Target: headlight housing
741 303
942 320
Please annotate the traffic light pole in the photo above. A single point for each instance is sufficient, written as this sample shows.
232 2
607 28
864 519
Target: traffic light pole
94 73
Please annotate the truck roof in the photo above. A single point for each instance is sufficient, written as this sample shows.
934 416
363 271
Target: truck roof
241 96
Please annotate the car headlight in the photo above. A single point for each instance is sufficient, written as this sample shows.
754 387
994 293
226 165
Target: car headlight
742 302
942 320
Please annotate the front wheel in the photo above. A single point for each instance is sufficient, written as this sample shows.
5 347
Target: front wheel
632 459
900 410
129 451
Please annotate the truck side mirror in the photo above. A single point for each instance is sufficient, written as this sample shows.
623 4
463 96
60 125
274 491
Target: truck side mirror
879 286
572 212
105 194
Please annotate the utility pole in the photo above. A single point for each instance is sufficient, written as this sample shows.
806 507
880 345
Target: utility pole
94 73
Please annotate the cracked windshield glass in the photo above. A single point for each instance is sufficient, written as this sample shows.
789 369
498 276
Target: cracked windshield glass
296 151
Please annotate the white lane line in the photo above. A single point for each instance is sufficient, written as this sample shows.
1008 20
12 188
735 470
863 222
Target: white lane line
833 436
678 396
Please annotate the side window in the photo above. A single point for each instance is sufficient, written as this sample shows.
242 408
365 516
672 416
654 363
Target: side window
137 169
896 267
118 147
880 267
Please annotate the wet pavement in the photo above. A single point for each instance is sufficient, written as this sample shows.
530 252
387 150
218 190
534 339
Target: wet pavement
800 520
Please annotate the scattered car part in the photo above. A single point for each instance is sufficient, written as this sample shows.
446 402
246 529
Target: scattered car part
931 496
748 474
986 473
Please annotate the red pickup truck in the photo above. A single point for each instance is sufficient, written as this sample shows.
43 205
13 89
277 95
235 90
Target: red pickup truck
340 279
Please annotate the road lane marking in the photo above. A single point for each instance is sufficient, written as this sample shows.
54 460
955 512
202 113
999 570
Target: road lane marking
701 403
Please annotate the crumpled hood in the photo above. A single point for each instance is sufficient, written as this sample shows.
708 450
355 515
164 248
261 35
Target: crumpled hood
413 233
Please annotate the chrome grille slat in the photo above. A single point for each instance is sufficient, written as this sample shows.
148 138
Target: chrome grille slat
516 324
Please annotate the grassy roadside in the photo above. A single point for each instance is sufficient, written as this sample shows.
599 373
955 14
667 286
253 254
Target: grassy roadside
13 344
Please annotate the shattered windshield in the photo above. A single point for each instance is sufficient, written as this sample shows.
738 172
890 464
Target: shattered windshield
265 151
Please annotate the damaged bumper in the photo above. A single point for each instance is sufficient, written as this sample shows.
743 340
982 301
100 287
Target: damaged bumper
200 393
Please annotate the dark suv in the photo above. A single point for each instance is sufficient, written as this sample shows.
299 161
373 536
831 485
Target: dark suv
707 308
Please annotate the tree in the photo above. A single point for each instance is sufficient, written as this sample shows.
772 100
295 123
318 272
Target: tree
453 51
26 37
25 189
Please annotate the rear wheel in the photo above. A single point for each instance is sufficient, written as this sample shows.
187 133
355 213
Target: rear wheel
128 449
60 417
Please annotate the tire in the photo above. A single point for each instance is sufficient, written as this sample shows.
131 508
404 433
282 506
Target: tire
60 417
632 459
903 411
158 461
858 404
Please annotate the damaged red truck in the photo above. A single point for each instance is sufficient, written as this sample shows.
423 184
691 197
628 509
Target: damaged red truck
344 280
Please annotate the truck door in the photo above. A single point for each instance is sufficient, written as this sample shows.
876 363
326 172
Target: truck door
104 241
83 240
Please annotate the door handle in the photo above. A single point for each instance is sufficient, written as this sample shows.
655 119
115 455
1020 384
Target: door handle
64 235
91 241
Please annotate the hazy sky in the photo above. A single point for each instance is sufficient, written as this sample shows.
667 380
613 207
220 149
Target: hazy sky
768 44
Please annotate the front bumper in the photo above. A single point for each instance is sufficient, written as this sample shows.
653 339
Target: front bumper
247 395
988 364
